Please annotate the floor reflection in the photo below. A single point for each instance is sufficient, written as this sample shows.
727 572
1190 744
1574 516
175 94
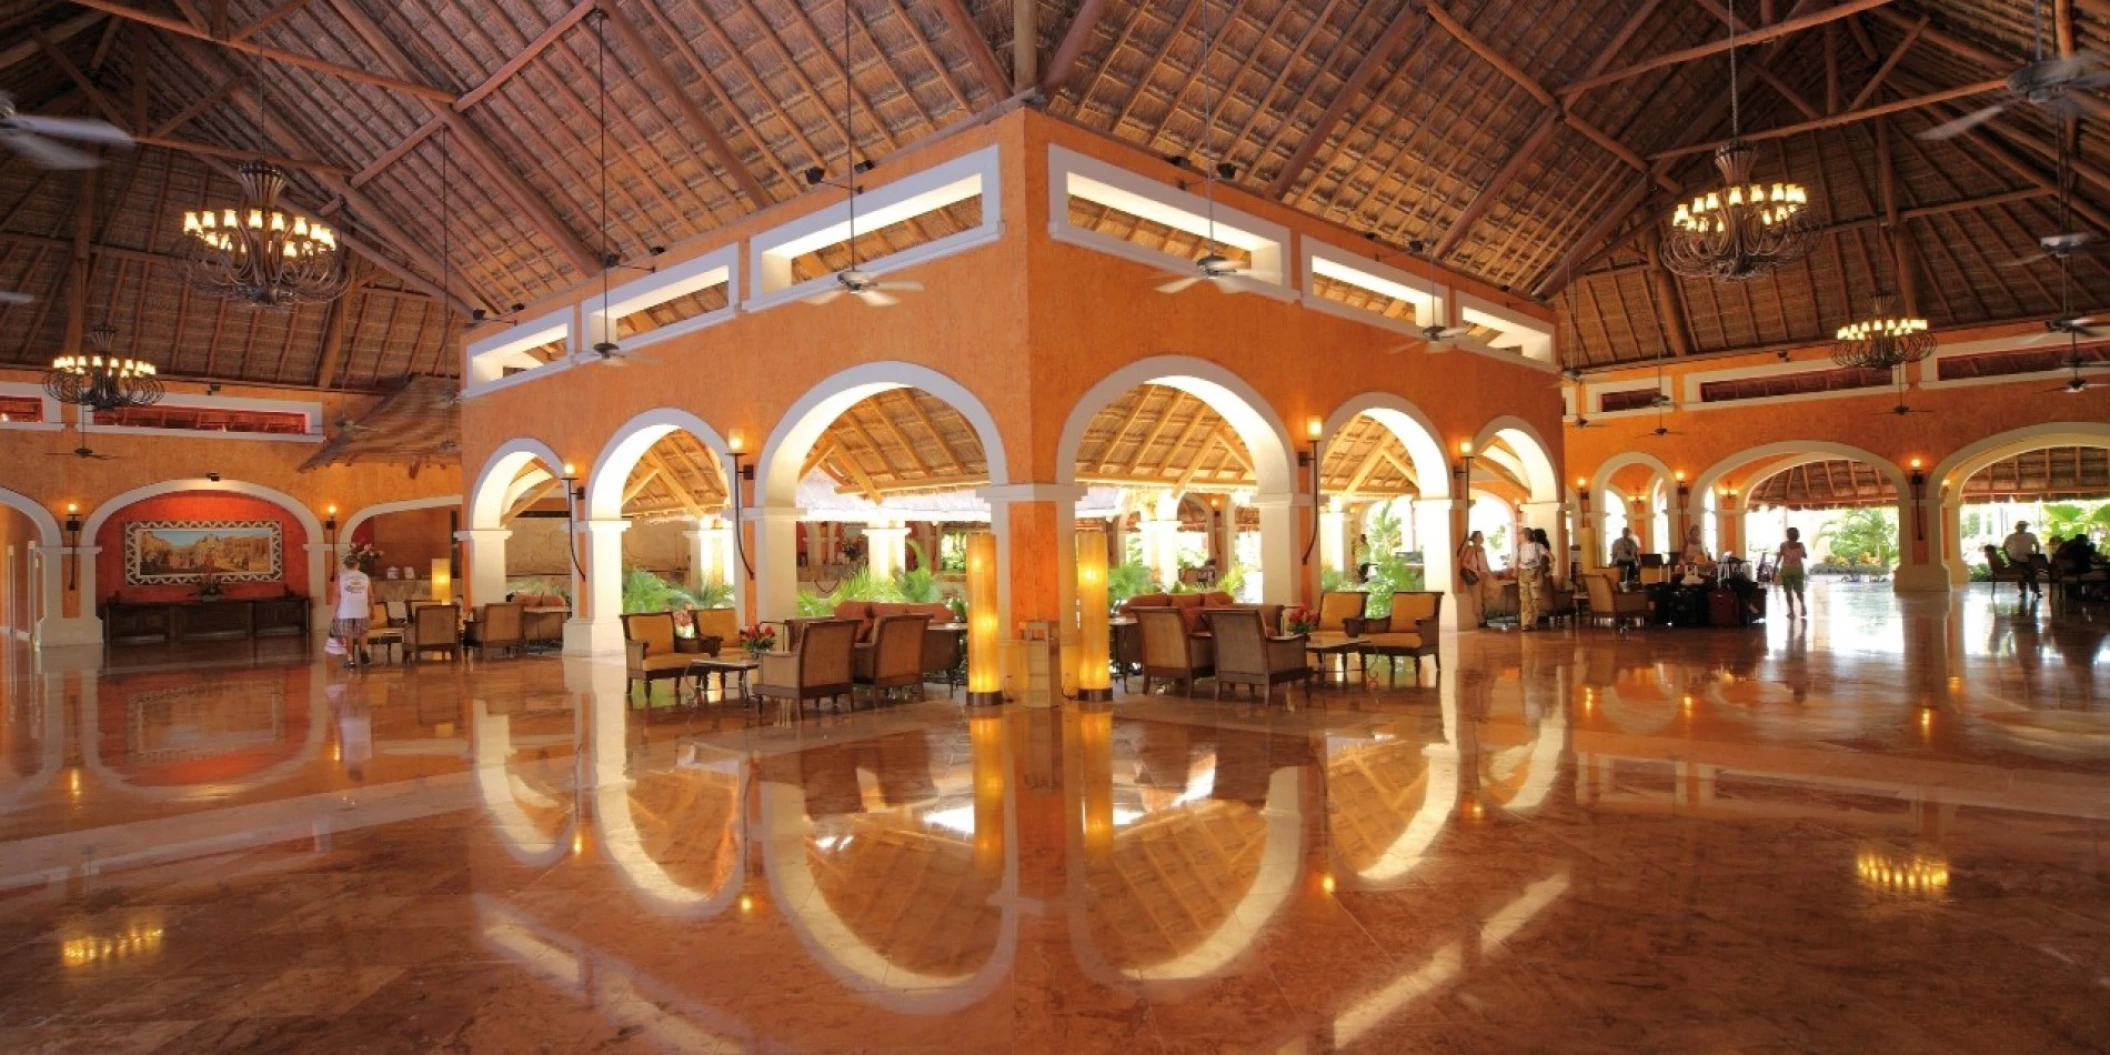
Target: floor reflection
1786 838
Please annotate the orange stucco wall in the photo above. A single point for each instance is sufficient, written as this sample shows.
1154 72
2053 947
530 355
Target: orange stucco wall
144 460
1027 325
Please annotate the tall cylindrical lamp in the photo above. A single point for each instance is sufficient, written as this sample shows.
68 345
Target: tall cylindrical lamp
442 580
985 677
1094 637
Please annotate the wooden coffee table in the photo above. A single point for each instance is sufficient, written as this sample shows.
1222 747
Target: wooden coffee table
702 667
1341 649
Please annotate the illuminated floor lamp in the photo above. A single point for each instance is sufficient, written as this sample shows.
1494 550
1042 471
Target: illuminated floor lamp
984 678
1094 637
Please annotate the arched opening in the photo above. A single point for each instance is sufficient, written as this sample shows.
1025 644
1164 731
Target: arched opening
658 522
519 515
1847 504
868 487
1386 525
2055 477
1631 490
1163 428
29 579
416 539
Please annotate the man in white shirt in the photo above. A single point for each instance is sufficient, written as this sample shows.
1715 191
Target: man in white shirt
1626 555
354 611
2022 552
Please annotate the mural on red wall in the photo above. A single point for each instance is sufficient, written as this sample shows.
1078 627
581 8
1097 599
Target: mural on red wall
193 508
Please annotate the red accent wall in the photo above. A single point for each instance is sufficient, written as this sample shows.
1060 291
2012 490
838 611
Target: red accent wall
200 506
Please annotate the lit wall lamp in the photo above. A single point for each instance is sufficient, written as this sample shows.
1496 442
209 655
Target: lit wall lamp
1684 492
736 447
1919 498
1464 469
329 537
1313 429
73 545
1094 634
1582 495
574 493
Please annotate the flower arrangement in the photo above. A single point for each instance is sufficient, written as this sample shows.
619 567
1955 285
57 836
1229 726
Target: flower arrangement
209 585
1299 620
757 639
363 556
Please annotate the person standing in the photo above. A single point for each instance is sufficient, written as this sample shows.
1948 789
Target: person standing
1533 557
1626 555
354 610
1792 574
2022 549
1695 554
1473 578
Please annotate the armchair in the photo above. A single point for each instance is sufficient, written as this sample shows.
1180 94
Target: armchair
893 659
1170 652
648 640
1608 603
1247 655
497 626
388 628
434 628
1336 610
1412 631
822 665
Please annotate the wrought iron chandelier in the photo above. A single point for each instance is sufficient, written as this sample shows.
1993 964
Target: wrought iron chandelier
101 381
256 253
1883 339
1744 228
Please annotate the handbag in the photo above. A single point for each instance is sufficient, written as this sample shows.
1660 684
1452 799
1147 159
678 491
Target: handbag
1469 576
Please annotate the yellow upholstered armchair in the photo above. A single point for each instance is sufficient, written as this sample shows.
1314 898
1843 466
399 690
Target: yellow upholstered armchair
1246 654
497 626
1170 651
822 666
1339 612
893 659
648 637
1411 631
1609 603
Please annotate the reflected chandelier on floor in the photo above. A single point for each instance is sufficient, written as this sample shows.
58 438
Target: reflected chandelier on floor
101 381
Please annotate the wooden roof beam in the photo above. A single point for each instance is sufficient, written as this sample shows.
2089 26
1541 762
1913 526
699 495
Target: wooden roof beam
480 150
713 141
1366 69
1847 118
185 29
1535 139
59 34
204 102
1767 77
1074 40
976 46
268 19
1775 31
1890 63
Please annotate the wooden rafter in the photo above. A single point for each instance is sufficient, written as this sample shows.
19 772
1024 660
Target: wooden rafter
185 28
1841 10
1074 40
1365 70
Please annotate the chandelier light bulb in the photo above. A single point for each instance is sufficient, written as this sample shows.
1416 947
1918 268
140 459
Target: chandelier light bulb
259 253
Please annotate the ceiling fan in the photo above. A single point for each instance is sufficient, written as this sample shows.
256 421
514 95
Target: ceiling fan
2056 247
26 134
8 296
83 452
2060 86
1213 267
864 285
854 280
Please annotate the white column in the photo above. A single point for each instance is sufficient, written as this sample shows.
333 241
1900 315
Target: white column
53 627
599 630
776 560
1161 539
1432 526
319 569
1279 551
1334 547
487 563
888 548
1920 566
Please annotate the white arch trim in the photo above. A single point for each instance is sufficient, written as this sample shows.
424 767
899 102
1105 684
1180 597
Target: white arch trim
612 468
801 426
405 506
1795 452
278 498
1601 480
1248 413
47 525
1970 459
1407 422
487 506
1540 477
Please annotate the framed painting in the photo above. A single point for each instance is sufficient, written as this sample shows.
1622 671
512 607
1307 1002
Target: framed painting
174 552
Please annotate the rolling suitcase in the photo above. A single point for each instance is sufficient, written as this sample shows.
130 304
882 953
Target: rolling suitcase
1723 608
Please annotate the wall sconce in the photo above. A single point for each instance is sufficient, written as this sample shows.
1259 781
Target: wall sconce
1464 469
329 537
1582 495
1919 498
736 448
574 493
1313 429
984 678
1684 492
1094 635
73 545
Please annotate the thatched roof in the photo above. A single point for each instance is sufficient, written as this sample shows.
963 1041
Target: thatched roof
1525 142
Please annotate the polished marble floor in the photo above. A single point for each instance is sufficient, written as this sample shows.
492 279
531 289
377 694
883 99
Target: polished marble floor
1882 828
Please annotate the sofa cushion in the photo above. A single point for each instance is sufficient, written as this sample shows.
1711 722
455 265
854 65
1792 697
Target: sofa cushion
656 662
655 629
1147 600
1218 599
860 611
1408 608
1187 600
1394 639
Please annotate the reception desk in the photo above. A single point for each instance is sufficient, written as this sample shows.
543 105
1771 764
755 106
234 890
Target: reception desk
198 620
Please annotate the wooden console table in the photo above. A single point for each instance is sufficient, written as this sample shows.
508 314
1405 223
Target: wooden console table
195 620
